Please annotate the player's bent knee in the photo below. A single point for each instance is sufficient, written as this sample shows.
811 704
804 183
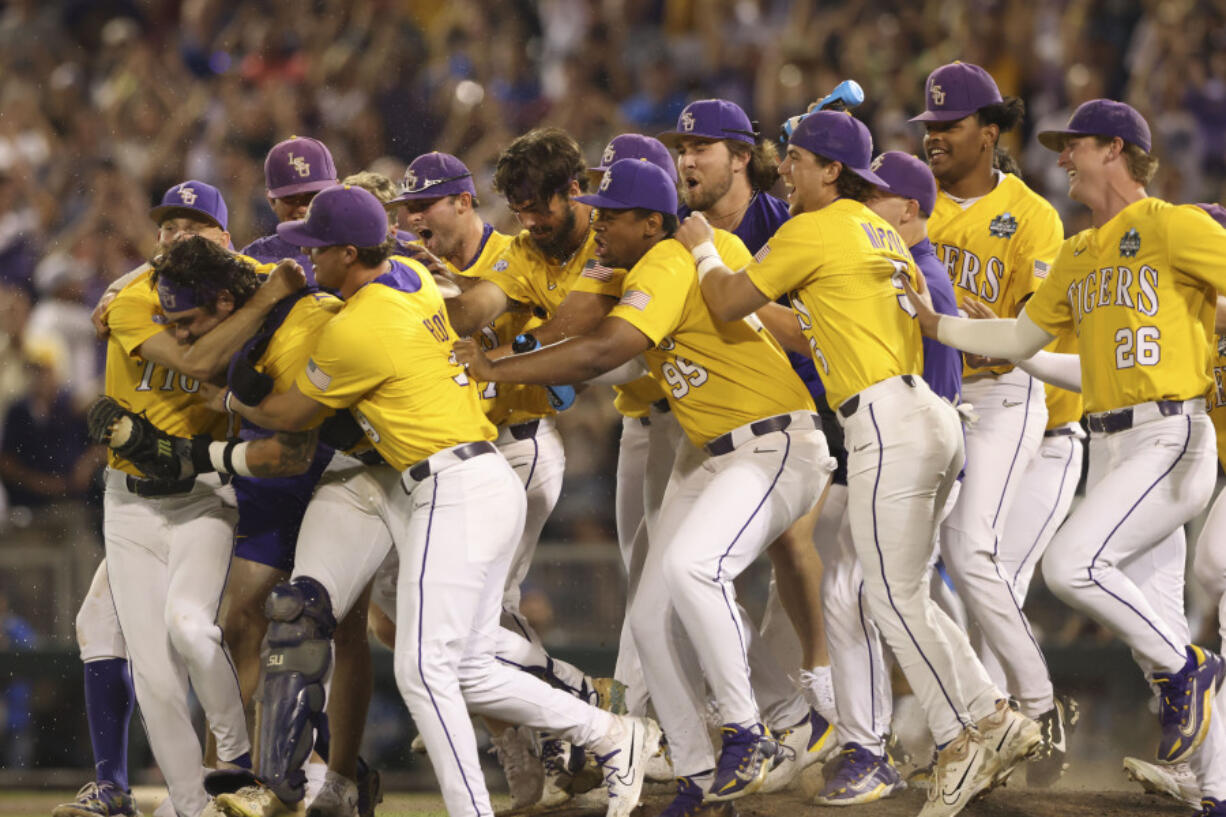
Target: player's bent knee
1061 574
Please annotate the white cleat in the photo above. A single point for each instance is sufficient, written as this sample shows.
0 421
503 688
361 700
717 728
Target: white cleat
555 758
959 775
623 755
800 746
525 775
256 801
1177 782
1012 737
338 797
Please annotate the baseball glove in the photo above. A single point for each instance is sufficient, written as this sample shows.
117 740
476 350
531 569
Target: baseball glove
131 436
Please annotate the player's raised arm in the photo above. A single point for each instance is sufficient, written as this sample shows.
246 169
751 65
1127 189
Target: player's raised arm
729 295
1010 338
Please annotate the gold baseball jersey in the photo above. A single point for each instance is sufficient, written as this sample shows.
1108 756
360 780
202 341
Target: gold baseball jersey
1217 395
387 358
717 376
529 276
998 249
504 403
1140 293
842 268
289 348
1063 406
168 398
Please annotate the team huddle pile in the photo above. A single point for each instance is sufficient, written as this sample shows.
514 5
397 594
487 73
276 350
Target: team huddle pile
346 417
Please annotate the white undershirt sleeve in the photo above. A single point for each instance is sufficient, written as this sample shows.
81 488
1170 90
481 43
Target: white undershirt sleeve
1062 370
1008 338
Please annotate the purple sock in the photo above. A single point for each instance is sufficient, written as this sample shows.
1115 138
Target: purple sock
109 700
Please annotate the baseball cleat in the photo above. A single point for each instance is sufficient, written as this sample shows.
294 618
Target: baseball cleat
744 761
1177 782
859 777
103 799
608 694
921 776
556 760
660 765
337 798
1056 724
1212 807
800 746
418 746
525 774
1185 703
623 755
689 803
370 789
1012 737
256 801
959 775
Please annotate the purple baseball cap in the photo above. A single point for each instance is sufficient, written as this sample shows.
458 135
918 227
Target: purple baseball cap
341 214
711 119
956 91
1216 211
633 183
906 176
634 146
300 164
1101 117
193 199
434 175
840 137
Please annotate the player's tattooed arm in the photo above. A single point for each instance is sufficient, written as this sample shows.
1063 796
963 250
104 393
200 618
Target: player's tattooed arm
284 411
475 307
285 454
729 295
579 313
574 360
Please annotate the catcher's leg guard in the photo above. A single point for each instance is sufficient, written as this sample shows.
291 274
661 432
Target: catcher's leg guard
300 627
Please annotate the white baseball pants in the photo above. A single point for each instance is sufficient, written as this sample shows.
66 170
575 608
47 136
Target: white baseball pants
1210 564
1144 484
167 561
645 458
898 481
540 462
456 531
1012 412
1042 502
719 514
98 633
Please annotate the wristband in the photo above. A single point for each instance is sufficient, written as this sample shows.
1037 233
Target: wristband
226 401
704 250
230 457
707 264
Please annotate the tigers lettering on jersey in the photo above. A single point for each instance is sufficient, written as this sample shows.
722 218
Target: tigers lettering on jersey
717 376
1140 293
843 269
387 358
997 249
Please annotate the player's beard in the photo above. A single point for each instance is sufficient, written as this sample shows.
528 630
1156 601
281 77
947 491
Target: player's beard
555 246
704 197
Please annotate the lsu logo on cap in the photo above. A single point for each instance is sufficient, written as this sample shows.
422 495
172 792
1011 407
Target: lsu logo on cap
877 163
300 165
687 121
187 195
605 181
608 156
938 94
410 181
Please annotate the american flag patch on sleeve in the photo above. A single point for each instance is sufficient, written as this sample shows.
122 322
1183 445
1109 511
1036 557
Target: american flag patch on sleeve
597 271
1041 268
318 377
635 298
762 253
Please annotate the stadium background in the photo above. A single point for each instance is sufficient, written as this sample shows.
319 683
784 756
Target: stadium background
105 103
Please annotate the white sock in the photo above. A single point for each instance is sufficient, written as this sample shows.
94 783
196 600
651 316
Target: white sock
818 684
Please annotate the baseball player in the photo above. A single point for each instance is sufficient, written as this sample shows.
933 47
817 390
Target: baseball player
865 772
423 416
838 258
440 200
711 525
1138 288
997 239
168 542
805 735
725 173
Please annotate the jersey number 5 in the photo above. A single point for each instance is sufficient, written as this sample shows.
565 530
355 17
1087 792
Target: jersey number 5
900 275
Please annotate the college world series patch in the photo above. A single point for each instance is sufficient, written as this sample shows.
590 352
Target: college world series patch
1130 244
1003 226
